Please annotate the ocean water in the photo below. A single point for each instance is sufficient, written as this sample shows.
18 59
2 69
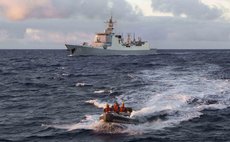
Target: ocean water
179 95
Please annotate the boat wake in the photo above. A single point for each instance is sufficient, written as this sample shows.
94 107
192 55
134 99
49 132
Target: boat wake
91 122
169 98
175 97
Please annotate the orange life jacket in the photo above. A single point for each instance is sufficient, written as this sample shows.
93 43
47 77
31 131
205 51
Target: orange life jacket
116 108
122 109
107 109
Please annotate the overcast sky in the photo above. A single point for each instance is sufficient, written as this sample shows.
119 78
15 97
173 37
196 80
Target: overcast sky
166 24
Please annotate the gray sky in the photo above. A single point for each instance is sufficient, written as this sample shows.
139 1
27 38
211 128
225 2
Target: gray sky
166 24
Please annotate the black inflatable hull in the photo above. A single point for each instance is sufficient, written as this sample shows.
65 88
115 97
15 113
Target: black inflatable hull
118 118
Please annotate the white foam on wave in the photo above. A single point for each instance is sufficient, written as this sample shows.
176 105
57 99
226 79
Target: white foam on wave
65 74
99 91
97 103
90 122
103 91
82 84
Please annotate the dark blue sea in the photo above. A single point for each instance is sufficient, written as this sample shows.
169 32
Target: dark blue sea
179 95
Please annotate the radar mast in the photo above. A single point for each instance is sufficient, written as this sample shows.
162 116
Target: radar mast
110 23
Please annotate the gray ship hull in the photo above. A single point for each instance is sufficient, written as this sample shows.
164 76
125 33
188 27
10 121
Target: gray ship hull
85 50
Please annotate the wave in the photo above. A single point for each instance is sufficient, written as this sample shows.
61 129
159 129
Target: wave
97 103
175 96
103 91
87 123
82 84
169 98
90 122
39 85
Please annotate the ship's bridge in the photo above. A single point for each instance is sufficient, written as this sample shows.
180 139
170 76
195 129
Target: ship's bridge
105 38
102 39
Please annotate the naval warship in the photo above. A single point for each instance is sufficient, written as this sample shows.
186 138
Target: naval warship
110 43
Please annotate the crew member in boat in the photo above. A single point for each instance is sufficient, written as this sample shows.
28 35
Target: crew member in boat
107 108
122 108
116 107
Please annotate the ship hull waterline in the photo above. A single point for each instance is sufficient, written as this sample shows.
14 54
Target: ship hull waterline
78 50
